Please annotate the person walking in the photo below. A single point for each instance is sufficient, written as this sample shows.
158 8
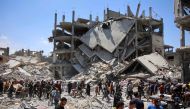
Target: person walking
63 102
56 96
31 89
138 102
154 104
1 86
120 105
69 87
105 94
88 89
129 90
10 91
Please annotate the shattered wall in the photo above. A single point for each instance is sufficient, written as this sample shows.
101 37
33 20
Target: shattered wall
4 55
182 20
181 8
184 57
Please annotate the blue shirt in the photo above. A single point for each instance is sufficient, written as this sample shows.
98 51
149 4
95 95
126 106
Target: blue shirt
151 106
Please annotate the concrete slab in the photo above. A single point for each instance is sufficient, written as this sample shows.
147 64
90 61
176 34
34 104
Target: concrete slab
78 67
86 50
104 55
108 38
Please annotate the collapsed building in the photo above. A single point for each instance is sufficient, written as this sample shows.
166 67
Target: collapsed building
4 54
119 38
151 66
29 52
25 64
182 20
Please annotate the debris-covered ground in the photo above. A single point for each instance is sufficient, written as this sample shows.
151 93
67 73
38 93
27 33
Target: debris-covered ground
20 69
25 67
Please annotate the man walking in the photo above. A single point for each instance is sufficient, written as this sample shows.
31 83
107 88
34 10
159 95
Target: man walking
62 103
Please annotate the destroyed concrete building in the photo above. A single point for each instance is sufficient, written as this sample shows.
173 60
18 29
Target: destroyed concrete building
4 55
29 52
171 56
25 64
151 65
184 57
182 20
66 38
120 37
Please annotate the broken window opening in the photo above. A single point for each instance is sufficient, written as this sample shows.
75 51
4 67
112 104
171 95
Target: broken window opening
186 10
170 58
157 30
106 25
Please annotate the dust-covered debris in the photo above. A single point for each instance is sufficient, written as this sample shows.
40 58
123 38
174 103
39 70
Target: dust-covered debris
25 67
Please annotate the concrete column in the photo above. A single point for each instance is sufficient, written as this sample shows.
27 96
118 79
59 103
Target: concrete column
55 21
73 33
90 17
61 72
136 38
54 33
7 51
54 57
63 18
138 8
104 14
108 16
182 37
97 18
150 12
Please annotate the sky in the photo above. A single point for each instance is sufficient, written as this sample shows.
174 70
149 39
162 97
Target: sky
28 23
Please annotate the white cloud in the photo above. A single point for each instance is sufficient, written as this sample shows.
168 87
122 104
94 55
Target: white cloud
44 41
6 42
46 45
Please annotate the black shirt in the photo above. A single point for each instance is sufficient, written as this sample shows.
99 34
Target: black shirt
59 107
139 103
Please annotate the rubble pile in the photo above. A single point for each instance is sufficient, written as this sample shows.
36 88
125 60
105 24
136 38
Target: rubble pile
99 70
150 67
6 103
87 103
25 67
3 67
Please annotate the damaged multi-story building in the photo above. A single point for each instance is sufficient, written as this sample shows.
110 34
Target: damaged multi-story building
182 20
119 37
29 52
4 55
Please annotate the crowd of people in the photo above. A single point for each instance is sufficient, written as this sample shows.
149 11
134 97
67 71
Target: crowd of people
52 90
